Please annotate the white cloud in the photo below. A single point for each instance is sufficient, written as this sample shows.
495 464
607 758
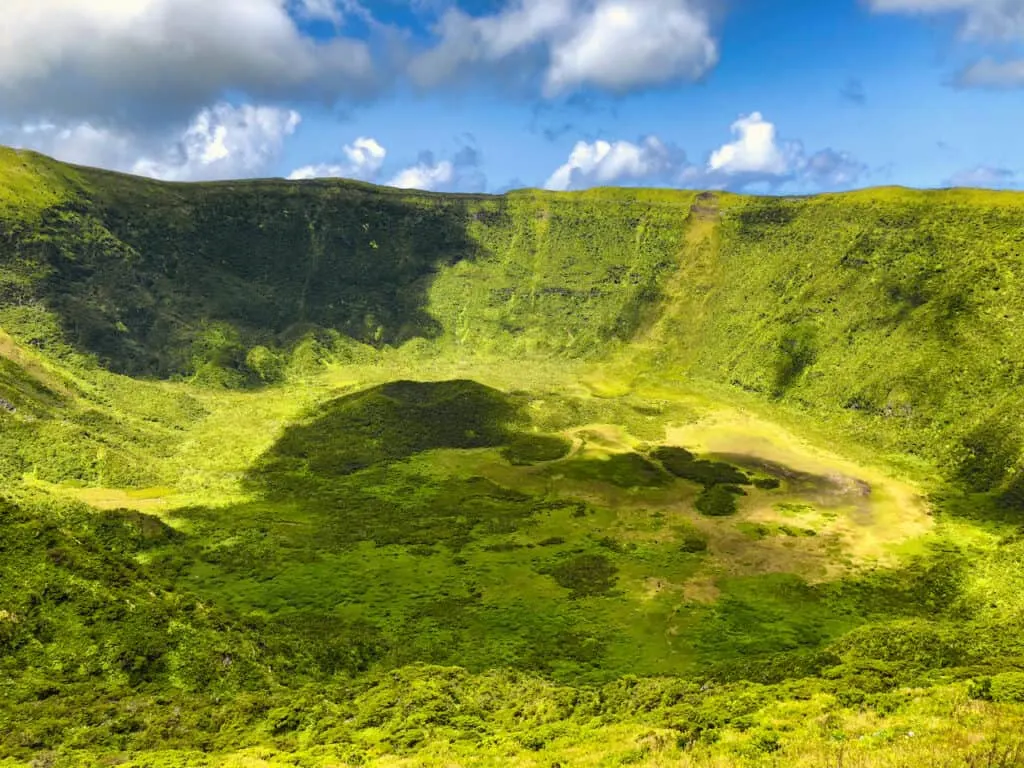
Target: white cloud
755 150
988 73
324 10
69 59
224 142
221 142
425 175
759 157
992 19
466 40
603 162
364 156
983 176
653 42
82 143
612 44
756 158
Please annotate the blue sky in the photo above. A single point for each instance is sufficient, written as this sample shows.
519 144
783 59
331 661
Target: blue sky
783 96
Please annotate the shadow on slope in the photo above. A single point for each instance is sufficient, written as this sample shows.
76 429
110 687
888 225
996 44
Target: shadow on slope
147 276
387 423
368 529
339 464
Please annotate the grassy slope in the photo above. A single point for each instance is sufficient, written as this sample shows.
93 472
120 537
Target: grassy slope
891 312
314 541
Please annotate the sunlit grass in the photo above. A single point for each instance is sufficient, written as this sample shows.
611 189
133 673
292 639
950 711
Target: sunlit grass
252 552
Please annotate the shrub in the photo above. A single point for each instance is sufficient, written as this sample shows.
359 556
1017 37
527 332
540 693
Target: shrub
1008 687
692 541
531 449
797 351
586 575
716 501
1011 498
625 470
681 463
553 541
268 366
987 453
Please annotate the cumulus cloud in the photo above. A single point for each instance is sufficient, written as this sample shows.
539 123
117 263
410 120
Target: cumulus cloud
759 157
83 143
221 142
320 10
462 172
654 41
425 175
224 142
755 151
363 159
756 157
983 176
603 162
155 59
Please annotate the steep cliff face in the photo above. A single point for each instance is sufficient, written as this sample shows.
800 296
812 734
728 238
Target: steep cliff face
897 311
138 273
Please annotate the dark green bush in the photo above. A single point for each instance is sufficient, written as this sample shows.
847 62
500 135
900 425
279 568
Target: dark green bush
626 470
1008 687
530 449
716 501
987 453
1011 498
691 540
797 351
586 575
681 463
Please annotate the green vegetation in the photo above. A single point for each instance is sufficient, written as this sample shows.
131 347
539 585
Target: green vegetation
681 463
324 474
717 501
533 449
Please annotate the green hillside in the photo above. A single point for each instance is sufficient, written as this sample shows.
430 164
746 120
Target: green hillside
322 474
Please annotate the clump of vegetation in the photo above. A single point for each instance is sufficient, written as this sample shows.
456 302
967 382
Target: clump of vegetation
390 422
716 501
626 470
585 575
797 351
526 449
691 540
681 463
1003 687
766 530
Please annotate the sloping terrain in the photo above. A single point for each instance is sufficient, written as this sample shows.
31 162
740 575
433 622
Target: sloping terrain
328 474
